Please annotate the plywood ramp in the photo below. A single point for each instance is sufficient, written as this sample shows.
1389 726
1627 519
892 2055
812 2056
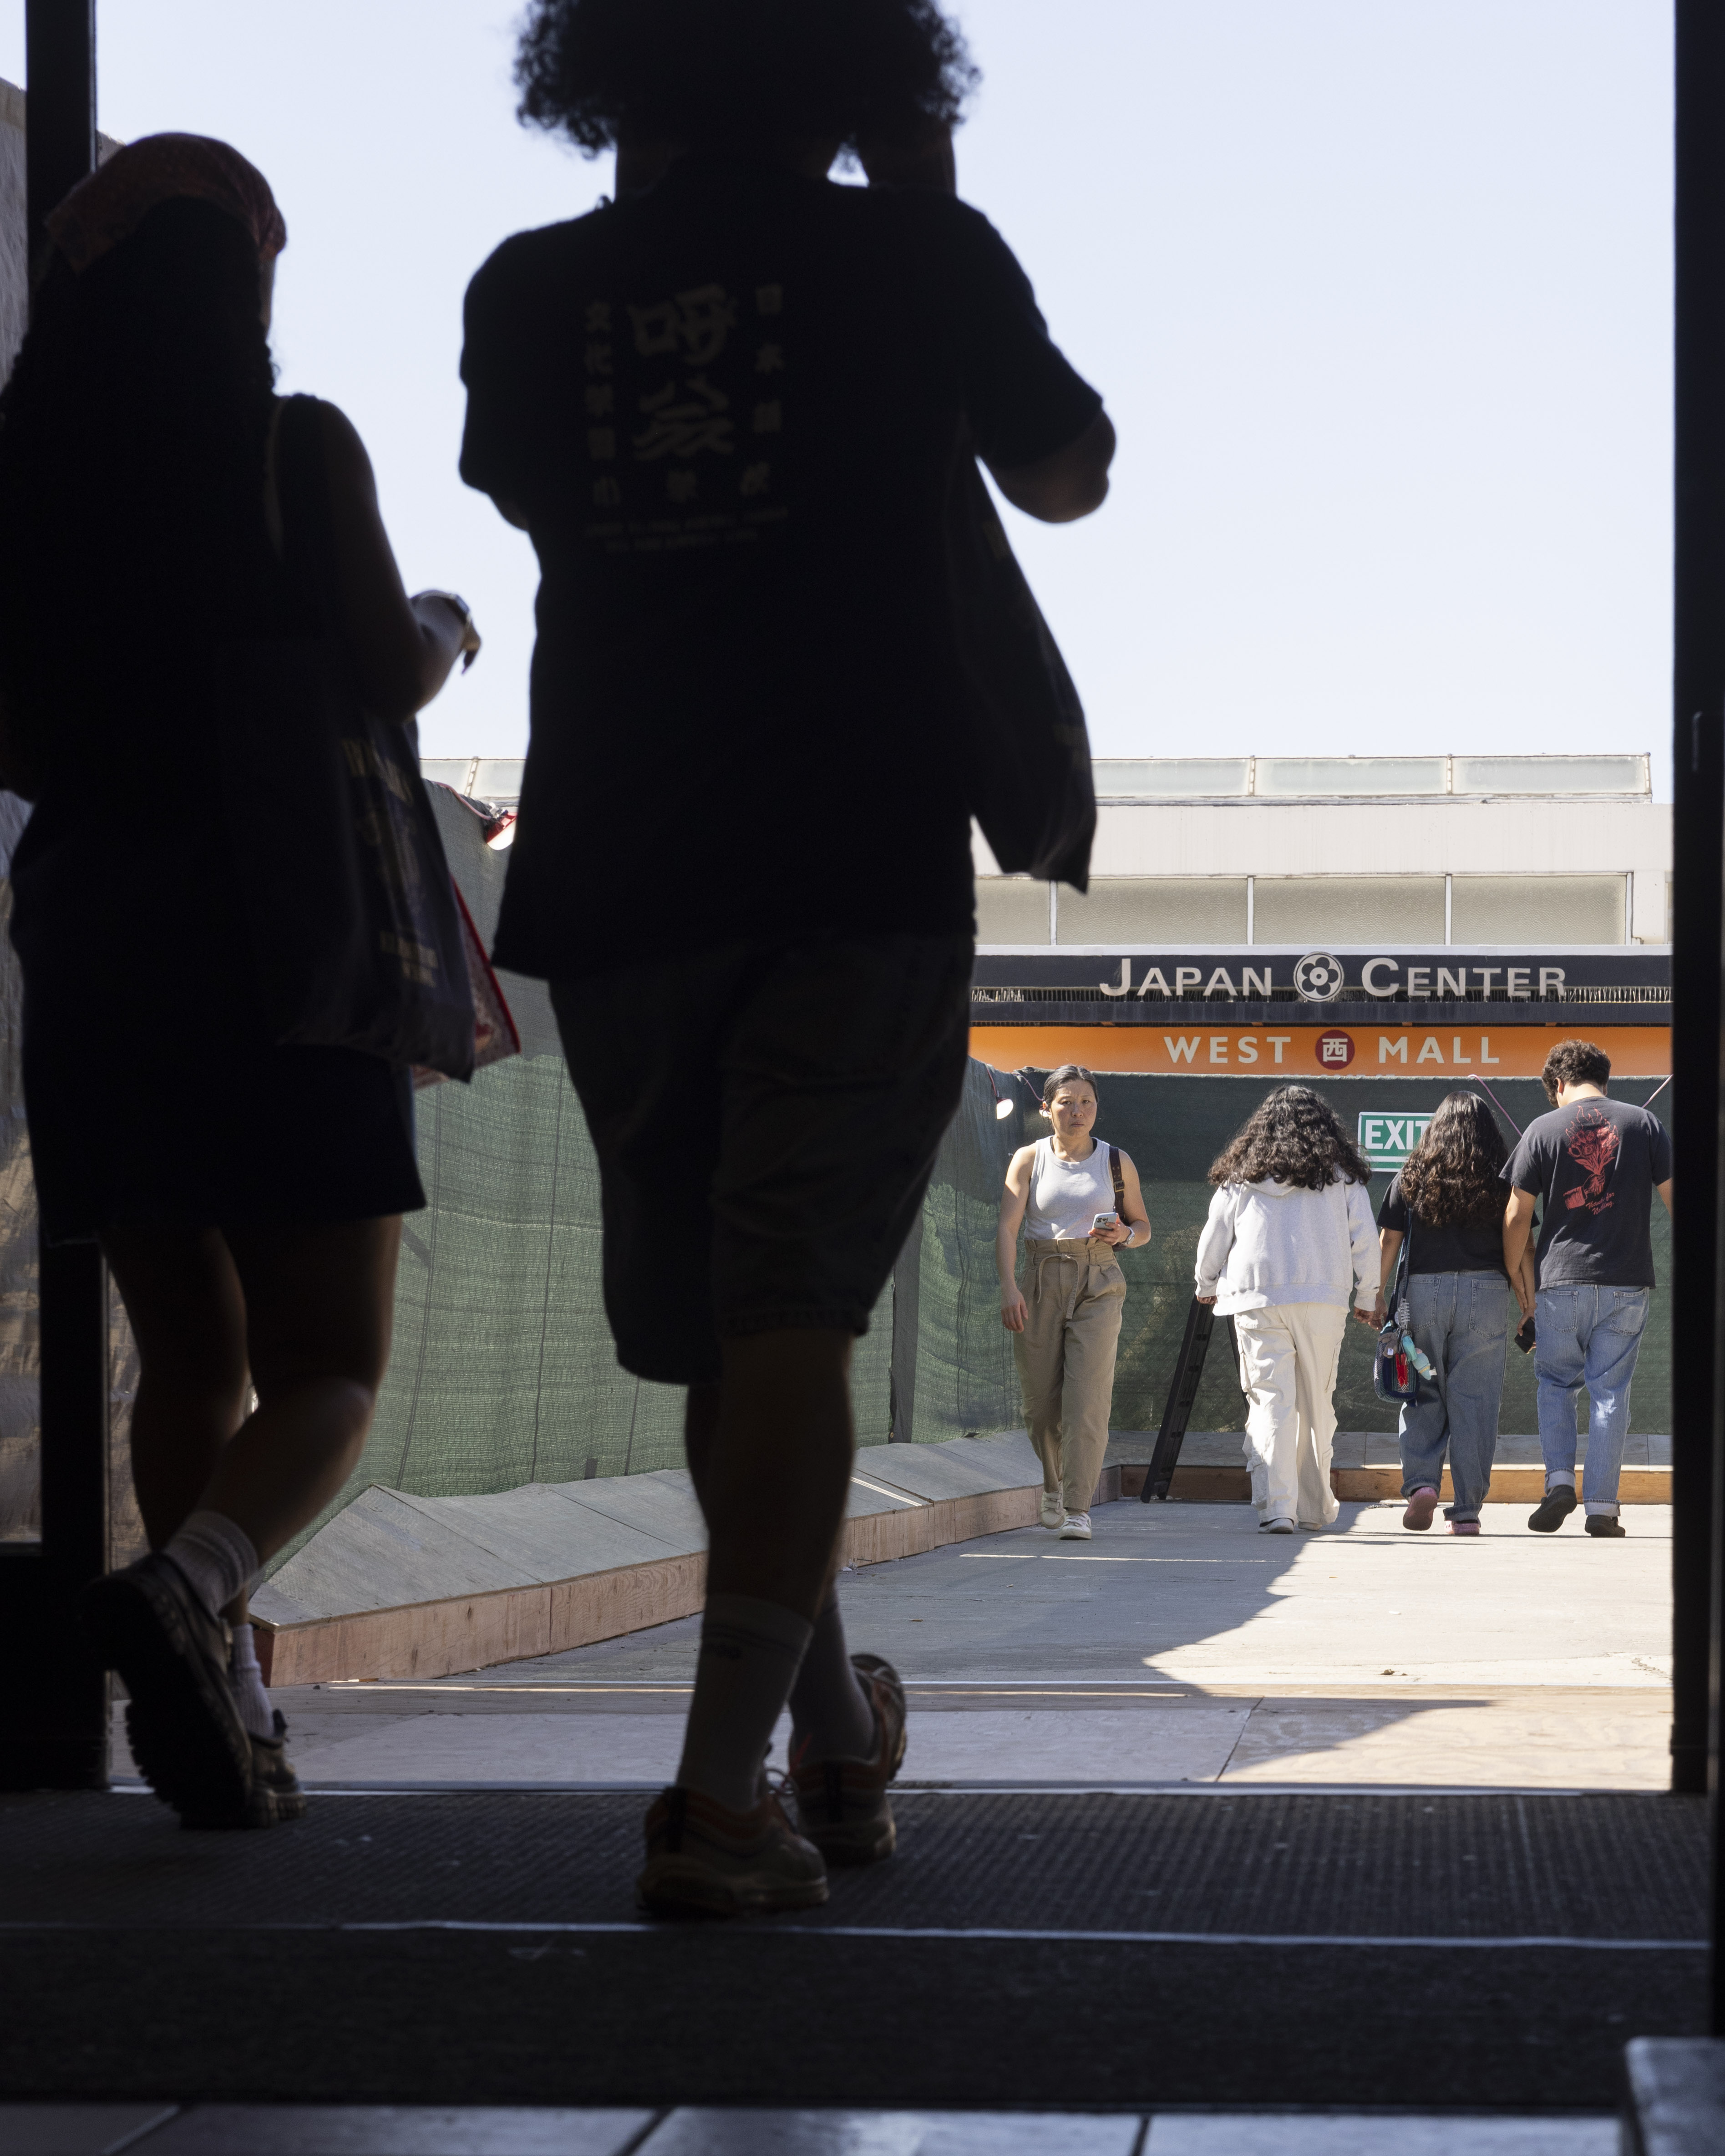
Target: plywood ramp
403 1586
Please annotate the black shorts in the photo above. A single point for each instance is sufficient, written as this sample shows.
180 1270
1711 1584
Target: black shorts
766 1117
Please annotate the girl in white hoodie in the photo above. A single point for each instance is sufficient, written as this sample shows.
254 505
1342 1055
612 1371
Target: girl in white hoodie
1289 1242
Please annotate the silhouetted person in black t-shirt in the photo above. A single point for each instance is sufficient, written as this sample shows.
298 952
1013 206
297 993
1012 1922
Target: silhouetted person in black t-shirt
728 407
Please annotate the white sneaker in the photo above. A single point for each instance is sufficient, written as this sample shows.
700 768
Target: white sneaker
1077 1527
1277 1527
1053 1509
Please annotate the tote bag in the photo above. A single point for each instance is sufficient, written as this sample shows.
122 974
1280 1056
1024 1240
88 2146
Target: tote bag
1027 749
355 939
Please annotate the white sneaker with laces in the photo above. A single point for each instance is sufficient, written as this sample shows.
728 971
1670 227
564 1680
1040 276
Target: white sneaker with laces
1277 1527
1053 1509
1076 1528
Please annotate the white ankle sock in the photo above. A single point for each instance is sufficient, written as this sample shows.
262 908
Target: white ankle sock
749 1654
217 1557
830 1711
247 1680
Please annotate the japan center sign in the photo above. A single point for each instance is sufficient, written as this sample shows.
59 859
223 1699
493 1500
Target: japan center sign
1387 1140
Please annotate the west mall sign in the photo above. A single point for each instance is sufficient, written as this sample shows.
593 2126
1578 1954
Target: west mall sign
1435 1047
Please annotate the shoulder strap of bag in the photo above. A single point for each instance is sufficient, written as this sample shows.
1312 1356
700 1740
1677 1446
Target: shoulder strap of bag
1119 1180
307 524
1403 1273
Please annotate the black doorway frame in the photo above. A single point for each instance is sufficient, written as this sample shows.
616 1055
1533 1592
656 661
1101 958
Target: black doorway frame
53 1711
54 1702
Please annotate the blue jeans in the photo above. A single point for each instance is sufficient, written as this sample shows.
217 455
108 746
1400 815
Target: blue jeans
1587 1335
1461 1321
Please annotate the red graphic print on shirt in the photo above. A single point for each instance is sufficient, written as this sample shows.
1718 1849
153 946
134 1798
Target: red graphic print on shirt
1592 1144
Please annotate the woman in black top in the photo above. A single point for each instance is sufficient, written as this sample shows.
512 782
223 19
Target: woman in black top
1447 1202
247 1196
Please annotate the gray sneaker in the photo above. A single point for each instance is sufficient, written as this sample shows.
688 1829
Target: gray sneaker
184 1728
842 1805
704 1860
276 1794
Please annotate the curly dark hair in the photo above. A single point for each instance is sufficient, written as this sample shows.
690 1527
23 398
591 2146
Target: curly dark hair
1575 1063
132 437
702 72
1451 1176
1294 1136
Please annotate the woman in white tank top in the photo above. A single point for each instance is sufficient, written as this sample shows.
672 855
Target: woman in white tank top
1079 1201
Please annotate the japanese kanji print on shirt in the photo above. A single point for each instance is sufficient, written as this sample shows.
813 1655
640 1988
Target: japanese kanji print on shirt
686 412
728 409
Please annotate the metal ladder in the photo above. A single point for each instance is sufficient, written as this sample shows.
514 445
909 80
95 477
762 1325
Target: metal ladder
1188 1369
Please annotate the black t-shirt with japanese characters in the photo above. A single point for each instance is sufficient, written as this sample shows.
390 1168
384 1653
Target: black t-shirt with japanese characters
1593 1166
728 409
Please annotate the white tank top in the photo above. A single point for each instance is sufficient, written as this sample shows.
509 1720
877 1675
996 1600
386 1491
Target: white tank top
1066 1195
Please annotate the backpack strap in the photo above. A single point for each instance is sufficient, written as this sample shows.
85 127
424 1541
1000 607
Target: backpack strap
1119 1180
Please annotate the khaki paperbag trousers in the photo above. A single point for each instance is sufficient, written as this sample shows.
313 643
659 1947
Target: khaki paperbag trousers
1074 1296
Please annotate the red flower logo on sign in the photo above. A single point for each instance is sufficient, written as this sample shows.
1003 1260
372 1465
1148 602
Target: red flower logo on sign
1335 1050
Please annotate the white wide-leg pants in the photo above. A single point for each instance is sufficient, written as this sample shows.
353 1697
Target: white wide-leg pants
1288 1356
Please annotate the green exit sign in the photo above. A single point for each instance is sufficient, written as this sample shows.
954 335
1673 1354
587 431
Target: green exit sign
1386 1140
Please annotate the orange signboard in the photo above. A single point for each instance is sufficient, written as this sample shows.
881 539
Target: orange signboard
1431 1048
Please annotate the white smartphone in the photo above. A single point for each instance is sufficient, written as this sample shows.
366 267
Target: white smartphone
1104 1220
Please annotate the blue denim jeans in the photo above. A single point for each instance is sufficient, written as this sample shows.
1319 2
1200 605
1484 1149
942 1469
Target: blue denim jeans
1587 1335
1461 1321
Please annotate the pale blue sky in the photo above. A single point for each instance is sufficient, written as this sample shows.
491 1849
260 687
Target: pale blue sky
1378 291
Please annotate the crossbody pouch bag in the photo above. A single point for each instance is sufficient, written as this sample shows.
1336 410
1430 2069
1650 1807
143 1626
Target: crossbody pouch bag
1395 1376
355 935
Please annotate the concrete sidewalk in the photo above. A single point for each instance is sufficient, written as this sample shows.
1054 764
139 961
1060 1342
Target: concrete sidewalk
1178 1647
400 1585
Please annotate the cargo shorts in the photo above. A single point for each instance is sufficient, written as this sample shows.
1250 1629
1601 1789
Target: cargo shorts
766 1118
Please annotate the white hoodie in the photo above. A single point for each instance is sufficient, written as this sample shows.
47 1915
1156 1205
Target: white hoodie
1273 1242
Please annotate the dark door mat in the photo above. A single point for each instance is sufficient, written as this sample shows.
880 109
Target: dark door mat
143 1961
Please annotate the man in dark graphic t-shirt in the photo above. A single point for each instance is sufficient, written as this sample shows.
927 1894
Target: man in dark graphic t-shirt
1593 1166
729 408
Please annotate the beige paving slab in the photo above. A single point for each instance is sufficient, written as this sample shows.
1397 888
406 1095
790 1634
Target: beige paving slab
1558 1739
1257 2133
1365 1599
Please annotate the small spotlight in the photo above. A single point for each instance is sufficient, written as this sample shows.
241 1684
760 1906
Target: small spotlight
1003 1108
